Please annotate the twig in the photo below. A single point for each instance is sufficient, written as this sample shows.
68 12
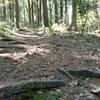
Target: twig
64 72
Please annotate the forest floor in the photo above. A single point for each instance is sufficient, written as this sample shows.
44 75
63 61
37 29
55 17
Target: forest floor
38 56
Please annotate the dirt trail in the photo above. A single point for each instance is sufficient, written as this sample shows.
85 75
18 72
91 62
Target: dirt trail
39 58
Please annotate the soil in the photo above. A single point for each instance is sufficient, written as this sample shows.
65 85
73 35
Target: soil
28 57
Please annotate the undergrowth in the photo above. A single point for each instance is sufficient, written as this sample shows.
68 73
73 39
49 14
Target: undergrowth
5 29
86 37
40 95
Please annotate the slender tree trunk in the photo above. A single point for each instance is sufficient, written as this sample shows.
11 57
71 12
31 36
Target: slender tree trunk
45 13
50 11
17 13
24 11
4 11
29 11
38 12
56 11
73 25
40 15
98 15
66 12
32 7
10 11
1 10
61 9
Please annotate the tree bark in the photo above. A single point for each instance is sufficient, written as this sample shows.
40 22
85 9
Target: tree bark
29 12
61 9
73 25
4 11
56 11
50 10
45 13
66 12
17 13
32 11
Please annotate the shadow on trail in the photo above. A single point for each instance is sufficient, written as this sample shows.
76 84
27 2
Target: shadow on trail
37 58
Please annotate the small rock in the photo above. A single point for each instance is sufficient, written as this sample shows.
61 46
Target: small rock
51 77
44 69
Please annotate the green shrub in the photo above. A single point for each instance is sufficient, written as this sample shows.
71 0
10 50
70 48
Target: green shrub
85 37
41 95
5 29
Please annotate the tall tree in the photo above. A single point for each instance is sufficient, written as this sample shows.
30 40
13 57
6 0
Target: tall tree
73 25
29 12
39 18
61 9
66 11
56 10
98 13
11 10
4 11
32 11
50 11
17 13
1 10
40 12
45 13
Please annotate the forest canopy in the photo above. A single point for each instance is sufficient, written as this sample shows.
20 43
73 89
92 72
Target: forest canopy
77 15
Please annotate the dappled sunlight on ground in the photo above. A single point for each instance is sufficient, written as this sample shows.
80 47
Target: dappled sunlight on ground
26 49
39 58
85 56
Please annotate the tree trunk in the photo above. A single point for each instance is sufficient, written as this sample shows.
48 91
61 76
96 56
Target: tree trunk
61 9
32 6
45 13
10 11
29 12
98 15
4 11
40 13
50 10
17 13
56 11
73 25
66 12
1 10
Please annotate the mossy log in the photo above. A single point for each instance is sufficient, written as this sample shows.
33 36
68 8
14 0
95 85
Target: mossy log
26 86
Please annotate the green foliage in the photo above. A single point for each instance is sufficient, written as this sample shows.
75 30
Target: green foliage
84 6
51 30
85 37
4 29
40 95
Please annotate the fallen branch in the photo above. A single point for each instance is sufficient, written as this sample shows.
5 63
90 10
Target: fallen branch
66 73
26 86
85 73
81 73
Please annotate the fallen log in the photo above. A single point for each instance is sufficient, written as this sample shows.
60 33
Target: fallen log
26 86
85 73
80 73
66 73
